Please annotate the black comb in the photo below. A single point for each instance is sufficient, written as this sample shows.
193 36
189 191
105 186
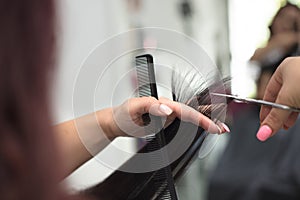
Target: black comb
162 178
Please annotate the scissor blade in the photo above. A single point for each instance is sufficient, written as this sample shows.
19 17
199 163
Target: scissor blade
227 96
256 101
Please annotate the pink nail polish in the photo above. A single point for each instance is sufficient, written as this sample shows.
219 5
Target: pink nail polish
219 129
225 127
264 133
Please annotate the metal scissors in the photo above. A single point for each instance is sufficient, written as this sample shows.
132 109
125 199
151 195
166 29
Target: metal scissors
257 101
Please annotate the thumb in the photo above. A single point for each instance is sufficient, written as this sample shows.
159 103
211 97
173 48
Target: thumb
272 123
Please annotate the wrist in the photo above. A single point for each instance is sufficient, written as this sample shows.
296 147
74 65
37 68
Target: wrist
106 122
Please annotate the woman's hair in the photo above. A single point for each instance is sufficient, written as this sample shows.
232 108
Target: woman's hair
281 9
28 161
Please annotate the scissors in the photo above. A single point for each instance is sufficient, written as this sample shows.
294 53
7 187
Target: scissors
257 101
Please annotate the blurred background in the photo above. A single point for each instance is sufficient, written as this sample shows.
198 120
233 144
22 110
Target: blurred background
228 30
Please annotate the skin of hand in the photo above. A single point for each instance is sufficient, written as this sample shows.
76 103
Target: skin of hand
127 118
81 138
283 88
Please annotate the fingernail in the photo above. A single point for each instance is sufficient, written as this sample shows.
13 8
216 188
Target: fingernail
225 128
219 129
214 128
165 109
264 133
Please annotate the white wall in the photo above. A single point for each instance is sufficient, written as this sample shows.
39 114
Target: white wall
249 21
83 25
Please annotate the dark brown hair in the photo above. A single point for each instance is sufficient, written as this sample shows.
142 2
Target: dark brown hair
28 162
281 9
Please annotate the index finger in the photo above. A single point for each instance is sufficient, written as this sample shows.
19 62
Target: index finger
188 114
271 93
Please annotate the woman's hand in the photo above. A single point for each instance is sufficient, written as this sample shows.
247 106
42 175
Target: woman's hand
127 119
283 88
81 138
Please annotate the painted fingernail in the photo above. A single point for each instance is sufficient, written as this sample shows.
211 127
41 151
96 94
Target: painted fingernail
225 128
264 133
214 128
165 109
219 130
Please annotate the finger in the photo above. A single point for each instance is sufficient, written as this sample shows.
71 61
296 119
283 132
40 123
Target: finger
223 126
127 124
161 110
206 121
139 106
271 93
189 114
291 120
272 123
264 111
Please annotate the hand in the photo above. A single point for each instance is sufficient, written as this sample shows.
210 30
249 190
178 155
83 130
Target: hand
283 88
81 138
126 119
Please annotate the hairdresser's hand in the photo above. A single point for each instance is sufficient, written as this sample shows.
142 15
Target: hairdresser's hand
126 119
283 88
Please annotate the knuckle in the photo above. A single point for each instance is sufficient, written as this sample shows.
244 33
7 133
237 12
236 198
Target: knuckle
274 119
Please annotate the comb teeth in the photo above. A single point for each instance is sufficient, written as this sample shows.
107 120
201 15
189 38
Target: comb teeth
162 178
143 76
